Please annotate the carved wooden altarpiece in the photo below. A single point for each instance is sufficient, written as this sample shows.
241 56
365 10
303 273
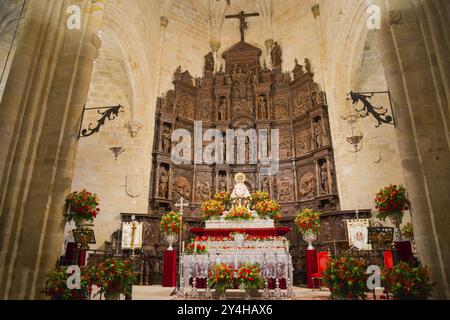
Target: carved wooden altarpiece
246 94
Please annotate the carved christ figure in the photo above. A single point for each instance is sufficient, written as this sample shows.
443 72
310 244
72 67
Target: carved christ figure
243 26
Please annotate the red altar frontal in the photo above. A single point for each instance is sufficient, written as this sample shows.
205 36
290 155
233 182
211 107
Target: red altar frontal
269 232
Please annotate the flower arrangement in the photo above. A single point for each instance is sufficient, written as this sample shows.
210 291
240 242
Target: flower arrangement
239 213
223 197
196 248
209 238
171 223
308 220
408 282
221 277
113 276
263 238
408 231
268 209
56 285
211 209
82 206
346 278
249 277
259 196
390 202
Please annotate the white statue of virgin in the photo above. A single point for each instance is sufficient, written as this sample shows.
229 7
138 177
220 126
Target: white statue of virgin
240 189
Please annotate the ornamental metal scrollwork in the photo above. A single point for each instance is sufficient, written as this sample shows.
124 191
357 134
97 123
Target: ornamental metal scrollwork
111 113
370 109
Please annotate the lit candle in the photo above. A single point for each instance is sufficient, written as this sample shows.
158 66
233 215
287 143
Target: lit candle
182 247
195 247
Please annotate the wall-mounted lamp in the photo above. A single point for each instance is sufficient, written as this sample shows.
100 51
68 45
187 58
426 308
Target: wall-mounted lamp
354 135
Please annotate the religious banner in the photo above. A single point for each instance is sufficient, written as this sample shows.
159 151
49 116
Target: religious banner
132 235
357 233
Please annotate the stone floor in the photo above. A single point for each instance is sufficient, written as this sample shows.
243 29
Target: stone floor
160 293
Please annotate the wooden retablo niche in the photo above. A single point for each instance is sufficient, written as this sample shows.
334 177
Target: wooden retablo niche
243 94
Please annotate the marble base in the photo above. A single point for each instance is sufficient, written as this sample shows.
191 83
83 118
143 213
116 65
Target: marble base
251 224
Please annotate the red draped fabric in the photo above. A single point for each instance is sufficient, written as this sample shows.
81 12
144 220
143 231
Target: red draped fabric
404 250
70 256
170 269
311 266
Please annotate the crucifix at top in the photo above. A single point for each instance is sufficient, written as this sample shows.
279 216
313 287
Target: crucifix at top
243 26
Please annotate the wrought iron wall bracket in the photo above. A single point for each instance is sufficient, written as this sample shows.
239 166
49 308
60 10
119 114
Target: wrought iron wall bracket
109 113
379 113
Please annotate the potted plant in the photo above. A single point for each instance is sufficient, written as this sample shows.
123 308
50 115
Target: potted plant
346 278
308 223
56 285
406 281
114 277
239 213
221 277
390 202
170 226
408 231
268 209
82 207
212 209
249 279
259 196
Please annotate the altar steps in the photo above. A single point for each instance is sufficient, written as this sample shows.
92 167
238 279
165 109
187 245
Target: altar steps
160 293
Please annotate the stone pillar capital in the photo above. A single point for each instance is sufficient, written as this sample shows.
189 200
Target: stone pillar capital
315 11
134 127
164 22
215 45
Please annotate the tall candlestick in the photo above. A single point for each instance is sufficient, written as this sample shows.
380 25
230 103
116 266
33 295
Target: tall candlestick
182 247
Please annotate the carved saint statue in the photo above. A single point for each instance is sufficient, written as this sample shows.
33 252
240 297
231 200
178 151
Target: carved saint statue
166 137
177 74
209 62
324 178
276 55
262 107
222 183
222 109
265 185
308 66
163 183
318 132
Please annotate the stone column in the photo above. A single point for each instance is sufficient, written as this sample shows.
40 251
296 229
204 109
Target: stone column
41 114
162 39
315 9
421 133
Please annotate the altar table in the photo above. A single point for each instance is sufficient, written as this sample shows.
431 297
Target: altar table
269 232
